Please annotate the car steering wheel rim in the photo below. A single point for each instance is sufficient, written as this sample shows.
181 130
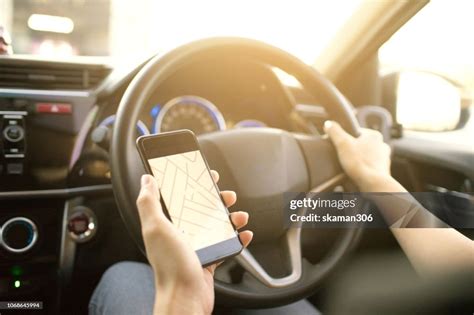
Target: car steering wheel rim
312 160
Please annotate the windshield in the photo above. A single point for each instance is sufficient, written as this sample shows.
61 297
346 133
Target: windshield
61 28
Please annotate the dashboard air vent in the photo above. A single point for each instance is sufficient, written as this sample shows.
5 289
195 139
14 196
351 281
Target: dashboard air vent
46 75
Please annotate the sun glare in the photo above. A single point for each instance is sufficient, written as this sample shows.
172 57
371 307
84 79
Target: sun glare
301 27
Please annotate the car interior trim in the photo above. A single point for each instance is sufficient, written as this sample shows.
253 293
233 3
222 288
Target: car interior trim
60 193
30 92
68 245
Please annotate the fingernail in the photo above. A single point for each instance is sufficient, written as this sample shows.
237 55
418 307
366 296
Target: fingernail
328 124
145 180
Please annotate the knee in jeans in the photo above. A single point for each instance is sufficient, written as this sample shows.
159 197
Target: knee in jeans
120 269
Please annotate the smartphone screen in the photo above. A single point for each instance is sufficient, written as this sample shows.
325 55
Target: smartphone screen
189 194
193 201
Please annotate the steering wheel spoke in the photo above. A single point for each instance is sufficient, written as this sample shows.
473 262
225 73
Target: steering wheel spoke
329 184
293 243
250 264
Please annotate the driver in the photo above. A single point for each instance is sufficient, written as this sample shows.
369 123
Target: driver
175 282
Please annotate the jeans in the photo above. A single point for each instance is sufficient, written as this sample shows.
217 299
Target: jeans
125 288
128 288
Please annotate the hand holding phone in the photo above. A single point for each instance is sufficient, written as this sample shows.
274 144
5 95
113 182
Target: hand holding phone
176 268
190 197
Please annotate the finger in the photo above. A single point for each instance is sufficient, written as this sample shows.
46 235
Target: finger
212 268
337 135
372 134
246 237
148 201
229 197
239 219
215 176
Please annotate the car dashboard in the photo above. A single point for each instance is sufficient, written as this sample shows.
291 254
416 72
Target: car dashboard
57 208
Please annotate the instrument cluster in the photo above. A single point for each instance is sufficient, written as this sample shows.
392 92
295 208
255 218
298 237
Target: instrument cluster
185 112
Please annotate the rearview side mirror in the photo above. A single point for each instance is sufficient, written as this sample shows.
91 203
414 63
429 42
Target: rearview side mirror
424 101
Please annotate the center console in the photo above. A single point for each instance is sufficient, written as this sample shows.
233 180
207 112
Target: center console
41 219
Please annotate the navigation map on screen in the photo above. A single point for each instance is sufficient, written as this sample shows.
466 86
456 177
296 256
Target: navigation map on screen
192 199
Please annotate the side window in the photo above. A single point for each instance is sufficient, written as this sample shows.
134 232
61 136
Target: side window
433 56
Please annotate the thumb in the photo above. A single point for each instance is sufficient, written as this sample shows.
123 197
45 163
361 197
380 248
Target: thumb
148 201
337 135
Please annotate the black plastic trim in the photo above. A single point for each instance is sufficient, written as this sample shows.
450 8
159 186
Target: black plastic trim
57 193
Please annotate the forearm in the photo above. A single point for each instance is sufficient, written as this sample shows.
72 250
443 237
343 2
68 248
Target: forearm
399 208
435 250
429 249
381 183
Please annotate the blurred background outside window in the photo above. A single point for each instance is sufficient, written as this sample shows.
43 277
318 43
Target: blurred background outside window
140 28
438 40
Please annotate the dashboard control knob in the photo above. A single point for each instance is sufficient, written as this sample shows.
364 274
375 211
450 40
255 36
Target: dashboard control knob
82 224
14 133
18 235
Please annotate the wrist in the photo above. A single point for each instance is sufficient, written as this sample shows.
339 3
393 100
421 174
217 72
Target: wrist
174 298
376 183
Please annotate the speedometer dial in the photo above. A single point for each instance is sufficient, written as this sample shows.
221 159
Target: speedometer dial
190 112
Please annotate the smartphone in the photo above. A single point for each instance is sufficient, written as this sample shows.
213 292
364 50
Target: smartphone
189 196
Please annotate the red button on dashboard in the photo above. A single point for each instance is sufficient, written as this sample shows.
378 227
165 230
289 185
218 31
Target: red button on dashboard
53 108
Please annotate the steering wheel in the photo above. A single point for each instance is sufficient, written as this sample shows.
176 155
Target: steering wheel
261 164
